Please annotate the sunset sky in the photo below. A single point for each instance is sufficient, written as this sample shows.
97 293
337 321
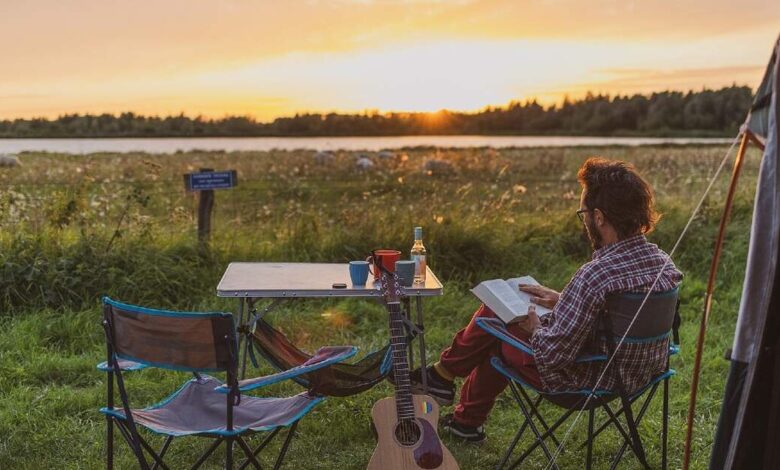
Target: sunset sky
266 58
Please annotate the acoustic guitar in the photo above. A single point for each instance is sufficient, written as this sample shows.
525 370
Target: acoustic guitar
406 424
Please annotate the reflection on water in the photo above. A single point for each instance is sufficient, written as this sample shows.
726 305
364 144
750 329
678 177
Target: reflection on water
171 145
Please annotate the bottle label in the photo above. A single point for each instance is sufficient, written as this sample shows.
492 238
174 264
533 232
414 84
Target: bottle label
419 266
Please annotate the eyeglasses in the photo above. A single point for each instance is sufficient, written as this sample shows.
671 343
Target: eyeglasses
580 214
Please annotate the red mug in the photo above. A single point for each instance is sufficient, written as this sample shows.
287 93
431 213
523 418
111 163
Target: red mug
384 258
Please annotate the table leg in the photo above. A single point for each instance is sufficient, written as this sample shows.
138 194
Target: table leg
421 333
239 325
244 325
409 330
251 316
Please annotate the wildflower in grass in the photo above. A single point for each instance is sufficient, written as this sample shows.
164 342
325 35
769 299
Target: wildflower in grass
519 189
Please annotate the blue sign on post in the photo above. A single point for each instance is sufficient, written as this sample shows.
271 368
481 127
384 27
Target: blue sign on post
208 180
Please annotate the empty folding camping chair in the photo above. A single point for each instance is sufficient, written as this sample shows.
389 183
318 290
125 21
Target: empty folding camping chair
200 343
658 320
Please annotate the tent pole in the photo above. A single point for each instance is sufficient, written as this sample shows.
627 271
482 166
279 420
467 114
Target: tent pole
746 137
755 140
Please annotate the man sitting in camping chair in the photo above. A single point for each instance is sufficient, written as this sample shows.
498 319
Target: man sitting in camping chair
616 209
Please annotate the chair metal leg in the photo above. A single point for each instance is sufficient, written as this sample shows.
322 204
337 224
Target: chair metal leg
665 429
589 460
640 415
637 441
260 448
157 458
250 457
529 419
131 442
614 420
109 442
609 421
163 450
562 419
285 446
534 405
266 441
229 453
512 446
207 454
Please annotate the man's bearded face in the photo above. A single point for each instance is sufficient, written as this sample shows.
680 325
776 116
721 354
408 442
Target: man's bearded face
592 232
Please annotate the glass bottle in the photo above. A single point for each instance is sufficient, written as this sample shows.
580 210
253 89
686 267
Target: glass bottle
418 256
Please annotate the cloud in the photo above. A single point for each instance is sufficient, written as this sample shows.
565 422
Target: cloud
642 80
393 2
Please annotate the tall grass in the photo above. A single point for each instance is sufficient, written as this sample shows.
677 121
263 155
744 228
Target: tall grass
74 228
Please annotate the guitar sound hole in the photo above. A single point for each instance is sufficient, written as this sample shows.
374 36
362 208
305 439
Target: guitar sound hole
407 432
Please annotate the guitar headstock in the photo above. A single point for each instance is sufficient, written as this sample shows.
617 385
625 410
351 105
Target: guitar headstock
390 285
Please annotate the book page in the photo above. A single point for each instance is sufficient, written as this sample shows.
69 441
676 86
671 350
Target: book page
502 299
485 292
525 297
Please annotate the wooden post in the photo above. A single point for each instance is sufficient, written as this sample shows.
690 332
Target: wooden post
205 209
205 182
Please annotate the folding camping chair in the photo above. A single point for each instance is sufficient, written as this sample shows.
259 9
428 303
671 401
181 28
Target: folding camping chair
138 337
657 321
339 380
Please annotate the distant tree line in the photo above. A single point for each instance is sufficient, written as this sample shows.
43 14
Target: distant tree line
668 113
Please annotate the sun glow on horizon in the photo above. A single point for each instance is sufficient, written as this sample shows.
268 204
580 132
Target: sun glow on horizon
357 55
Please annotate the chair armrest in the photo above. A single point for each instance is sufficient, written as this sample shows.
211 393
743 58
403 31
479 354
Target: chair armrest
124 365
324 357
497 328
592 358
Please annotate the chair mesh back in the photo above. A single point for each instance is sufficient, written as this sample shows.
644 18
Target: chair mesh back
655 319
339 380
183 341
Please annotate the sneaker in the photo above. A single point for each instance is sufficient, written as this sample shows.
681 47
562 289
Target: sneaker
467 433
440 389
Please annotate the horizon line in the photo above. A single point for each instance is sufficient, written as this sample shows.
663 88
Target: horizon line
387 112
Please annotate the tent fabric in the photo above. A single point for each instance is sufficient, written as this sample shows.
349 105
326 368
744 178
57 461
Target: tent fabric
758 118
766 222
338 380
748 433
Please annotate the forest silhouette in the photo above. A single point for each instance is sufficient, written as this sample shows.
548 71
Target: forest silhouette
667 113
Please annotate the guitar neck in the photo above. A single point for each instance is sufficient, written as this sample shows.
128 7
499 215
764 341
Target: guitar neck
403 388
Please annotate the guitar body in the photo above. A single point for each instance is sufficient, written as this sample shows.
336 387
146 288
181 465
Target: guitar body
427 453
406 424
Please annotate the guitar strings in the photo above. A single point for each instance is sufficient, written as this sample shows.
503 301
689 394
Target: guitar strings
408 429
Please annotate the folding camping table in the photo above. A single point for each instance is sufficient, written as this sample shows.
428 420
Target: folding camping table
274 283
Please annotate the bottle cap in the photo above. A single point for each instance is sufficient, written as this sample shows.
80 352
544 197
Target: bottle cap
418 233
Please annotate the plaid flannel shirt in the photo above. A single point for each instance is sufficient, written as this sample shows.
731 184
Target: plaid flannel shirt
569 331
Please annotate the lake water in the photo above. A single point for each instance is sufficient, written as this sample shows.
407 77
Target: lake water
171 145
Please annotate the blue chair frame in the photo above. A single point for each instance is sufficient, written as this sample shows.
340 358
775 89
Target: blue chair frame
574 400
122 356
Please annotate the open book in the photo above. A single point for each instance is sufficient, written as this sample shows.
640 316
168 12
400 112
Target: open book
506 300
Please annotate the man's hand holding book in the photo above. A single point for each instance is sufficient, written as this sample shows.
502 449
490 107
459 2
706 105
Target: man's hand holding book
541 295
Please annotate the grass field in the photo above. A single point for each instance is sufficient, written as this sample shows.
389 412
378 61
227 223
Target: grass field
73 228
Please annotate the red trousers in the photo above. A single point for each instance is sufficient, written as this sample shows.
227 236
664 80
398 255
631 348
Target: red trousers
469 356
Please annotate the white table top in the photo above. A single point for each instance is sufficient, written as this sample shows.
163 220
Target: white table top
275 280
